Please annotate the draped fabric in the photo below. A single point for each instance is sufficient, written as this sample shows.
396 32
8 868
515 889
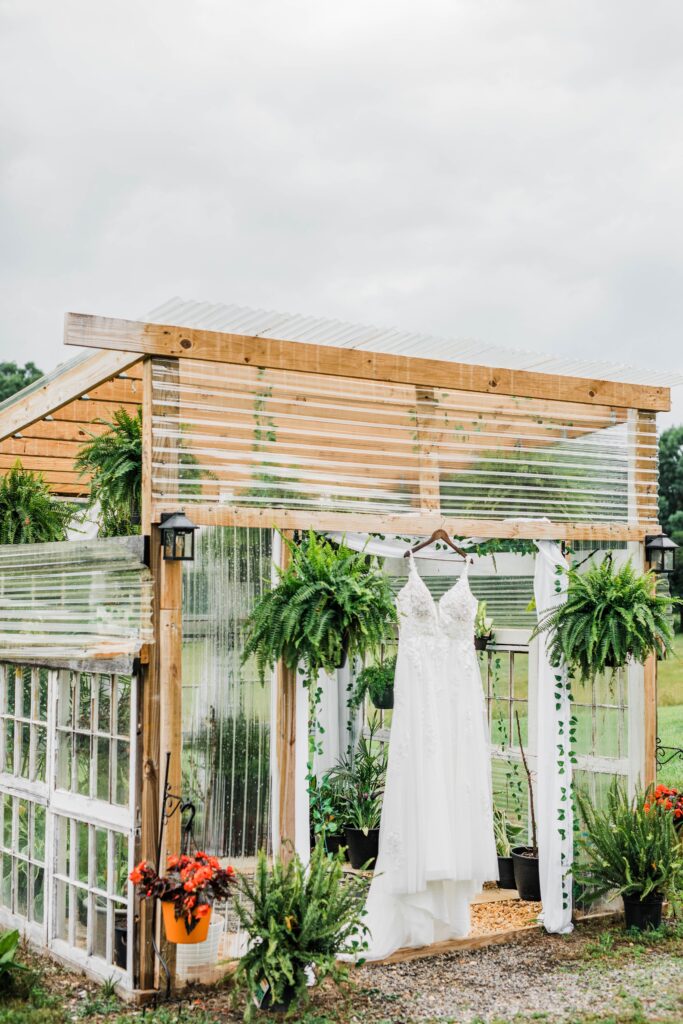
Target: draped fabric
554 765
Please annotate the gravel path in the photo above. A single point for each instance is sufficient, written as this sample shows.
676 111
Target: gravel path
539 978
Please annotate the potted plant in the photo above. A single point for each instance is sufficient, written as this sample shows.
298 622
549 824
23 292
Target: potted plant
28 512
113 460
483 628
328 807
378 682
630 849
187 893
363 816
525 858
330 603
507 833
610 616
671 800
362 777
298 919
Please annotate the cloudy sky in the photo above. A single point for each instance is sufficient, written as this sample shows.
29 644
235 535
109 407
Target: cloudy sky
510 171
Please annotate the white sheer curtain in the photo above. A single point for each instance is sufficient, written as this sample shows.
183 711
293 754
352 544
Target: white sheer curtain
554 769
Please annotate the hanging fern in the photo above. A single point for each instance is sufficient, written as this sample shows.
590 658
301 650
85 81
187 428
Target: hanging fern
610 616
328 601
114 461
28 512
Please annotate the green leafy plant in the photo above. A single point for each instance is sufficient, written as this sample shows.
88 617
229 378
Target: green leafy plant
9 965
328 801
610 616
28 512
508 833
328 602
375 680
483 626
114 461
296 918
364 810
630 848
361 776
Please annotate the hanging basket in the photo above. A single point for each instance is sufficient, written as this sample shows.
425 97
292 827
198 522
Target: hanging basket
481 642
176 929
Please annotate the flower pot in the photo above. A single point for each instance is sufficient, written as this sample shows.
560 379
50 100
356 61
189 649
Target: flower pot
194 961
334 843
527 880
387 700
481 642
176 929
288 997
506 873
645 915
362 848
121 938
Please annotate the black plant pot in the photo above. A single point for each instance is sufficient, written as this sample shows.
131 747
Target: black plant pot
362 848
645 915
121 938
506 873
527 879
285 1003
386 702
334 843
481 642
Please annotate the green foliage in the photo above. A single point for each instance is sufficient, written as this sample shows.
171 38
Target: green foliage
483 626
508 833
628 849
361 777
609 616
328 805
9 965
114 461
295 917
329 599
14 378
375 680
28 512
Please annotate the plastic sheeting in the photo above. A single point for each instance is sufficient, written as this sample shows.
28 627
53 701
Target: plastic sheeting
73 601
260 438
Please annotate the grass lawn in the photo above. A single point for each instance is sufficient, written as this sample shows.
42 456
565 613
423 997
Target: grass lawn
670 712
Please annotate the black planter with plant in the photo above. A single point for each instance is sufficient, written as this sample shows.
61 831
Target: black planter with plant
629 849
610 616
377 681
507 832
525 858
483 628
363 847
361 777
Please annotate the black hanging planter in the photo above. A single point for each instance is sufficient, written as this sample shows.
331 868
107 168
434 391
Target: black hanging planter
644 915
386 701
527 878
362 848
506 873
481 642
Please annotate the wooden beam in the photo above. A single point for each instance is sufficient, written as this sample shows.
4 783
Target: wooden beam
187 343
73 382
416 523
650 713
147 447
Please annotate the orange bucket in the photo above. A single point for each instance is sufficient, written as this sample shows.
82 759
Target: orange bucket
176 929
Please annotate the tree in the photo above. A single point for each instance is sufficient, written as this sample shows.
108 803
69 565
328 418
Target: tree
671 497
14 378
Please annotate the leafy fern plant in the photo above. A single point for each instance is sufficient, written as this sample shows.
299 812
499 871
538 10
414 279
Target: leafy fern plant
114 461
328 602
28 512
630 848
376 680
610 616
297 917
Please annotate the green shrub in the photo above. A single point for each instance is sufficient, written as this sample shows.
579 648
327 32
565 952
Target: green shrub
296 917
375 680
628 849
114 461
28 512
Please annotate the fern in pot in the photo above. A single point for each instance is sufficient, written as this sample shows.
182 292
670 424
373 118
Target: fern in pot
377 681
610 616
330 603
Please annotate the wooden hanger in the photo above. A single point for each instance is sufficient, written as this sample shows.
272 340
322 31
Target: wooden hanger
437 535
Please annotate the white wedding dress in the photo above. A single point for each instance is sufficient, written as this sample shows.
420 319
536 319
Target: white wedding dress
436 843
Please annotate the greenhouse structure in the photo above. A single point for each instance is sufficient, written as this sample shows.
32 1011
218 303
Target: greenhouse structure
121 667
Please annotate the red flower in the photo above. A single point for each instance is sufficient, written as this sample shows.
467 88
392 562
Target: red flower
202 910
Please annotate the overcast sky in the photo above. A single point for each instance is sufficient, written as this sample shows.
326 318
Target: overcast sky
510 171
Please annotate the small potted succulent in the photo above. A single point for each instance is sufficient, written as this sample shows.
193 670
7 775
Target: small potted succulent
483 628
507 834
186 892
378 682
630 849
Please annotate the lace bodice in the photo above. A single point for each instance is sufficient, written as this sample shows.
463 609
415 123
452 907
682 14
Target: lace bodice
420 615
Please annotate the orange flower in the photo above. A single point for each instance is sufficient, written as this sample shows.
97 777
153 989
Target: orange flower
646 807
135 876
173 862
230 869
202 910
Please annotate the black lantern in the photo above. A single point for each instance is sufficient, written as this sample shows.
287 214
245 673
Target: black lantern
661 554
177 537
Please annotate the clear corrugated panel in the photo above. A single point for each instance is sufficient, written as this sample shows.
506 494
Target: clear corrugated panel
226 710
74 600
245 436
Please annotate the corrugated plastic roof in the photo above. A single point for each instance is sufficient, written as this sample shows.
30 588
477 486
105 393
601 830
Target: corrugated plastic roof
295 327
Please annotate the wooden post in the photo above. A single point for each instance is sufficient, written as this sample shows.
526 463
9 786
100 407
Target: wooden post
285 748
427 413
650 711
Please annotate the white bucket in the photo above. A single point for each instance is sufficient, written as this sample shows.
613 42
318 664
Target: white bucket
191 957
